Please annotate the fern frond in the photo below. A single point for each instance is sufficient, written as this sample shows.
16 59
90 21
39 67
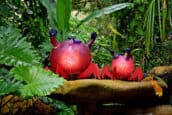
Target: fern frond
7 83
36 80
14 50
62 108
7 87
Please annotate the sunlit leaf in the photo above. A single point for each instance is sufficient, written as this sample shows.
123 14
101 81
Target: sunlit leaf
36 81
106 10
63 13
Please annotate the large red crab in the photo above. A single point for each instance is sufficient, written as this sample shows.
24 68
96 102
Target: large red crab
123 68
72 59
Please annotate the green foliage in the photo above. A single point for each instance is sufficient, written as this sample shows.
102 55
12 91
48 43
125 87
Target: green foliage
160 55
63 12
36 81
7 84
51 11
62 108
149 25
106 10
58 14
14 50
7 88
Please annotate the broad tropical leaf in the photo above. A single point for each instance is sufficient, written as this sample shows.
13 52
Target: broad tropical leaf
36 80
59 12
106 10
14 50
63 13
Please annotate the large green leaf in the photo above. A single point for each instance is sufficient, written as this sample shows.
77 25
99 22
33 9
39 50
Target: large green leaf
14 50
106 10
63 13
36 80
50 5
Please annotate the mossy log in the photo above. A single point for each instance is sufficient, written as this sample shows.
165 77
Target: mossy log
103 91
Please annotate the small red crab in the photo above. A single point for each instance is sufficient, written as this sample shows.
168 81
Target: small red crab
123 68
72 59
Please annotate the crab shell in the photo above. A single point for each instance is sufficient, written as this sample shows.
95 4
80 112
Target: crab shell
122 67
72 58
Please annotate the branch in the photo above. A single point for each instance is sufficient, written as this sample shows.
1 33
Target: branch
101 91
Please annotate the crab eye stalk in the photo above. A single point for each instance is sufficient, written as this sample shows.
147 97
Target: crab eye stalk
93 35
115 55
111 51
76 41
52 34
92 39
128 53
128 50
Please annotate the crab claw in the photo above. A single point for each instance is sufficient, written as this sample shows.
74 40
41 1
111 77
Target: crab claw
157 88
92 69
137 75
106 72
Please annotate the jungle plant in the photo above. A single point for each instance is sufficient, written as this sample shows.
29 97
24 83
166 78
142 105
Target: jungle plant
161 9
26 15
21 72
17 54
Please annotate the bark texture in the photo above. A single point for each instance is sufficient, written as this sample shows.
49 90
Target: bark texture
101 91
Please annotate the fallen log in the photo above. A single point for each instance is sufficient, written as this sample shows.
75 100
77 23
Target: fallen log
103 91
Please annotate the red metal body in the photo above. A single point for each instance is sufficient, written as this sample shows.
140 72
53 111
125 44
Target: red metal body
72 58
123 68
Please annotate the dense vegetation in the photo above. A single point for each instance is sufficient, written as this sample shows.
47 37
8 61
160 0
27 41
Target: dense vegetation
145 26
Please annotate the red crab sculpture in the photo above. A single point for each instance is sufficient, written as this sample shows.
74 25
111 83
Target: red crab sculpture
123 68
72 59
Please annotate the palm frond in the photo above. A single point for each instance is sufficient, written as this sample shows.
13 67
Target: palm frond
14 50
36 81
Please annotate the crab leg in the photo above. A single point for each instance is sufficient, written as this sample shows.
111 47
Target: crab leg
92 69
106 72
137 75
157 88
61 72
